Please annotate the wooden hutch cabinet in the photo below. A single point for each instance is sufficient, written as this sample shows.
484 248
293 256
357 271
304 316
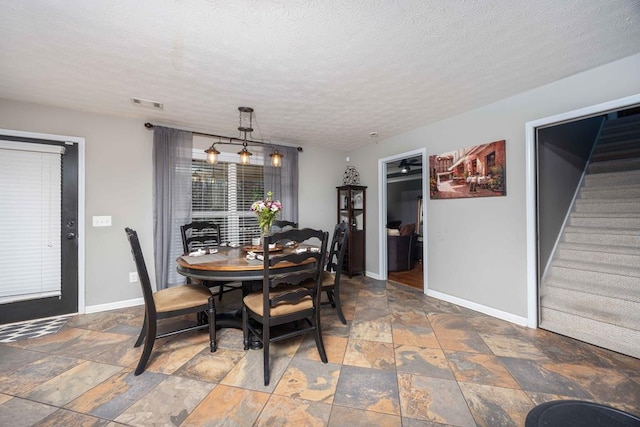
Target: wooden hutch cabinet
351 208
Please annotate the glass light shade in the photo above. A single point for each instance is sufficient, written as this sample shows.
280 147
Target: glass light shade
244 156
212 154
276 159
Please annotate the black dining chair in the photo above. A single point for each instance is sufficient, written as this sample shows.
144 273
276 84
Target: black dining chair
205 235
279 225
166 303
282 223
330 278
290 293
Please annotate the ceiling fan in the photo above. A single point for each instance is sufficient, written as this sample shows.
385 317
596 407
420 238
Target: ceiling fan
405 164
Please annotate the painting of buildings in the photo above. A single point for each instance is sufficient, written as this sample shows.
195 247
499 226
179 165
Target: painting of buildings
476 171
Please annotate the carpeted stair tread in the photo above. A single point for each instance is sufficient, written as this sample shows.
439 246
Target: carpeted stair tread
624 340
598 237
620 135
612 178
602 205
598 267
629 153
608 220
618 192
603 308
624 290
622 123
617 145
604 231
606 215
609 283
597 255
605 249
614 165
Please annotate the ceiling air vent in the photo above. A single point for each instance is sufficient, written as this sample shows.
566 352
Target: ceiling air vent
147 103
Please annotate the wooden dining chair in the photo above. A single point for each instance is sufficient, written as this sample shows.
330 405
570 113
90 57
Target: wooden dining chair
169 302
289 294
282 223
205 235
330 277
279 225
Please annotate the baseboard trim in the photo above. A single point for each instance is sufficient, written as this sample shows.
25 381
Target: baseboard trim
519 320
372 275
114 305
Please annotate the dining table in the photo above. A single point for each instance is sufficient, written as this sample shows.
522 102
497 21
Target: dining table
236 264
231 264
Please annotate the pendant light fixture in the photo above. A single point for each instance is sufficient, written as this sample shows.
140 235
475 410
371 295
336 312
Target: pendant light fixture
245 127
276 158
212 153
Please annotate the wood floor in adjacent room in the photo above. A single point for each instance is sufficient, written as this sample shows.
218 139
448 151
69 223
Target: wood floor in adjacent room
413 278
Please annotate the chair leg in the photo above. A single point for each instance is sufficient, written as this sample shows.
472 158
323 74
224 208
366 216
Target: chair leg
142 331
148 345
245 327
338 306
318 337
265 352
330 297
212 324
220 292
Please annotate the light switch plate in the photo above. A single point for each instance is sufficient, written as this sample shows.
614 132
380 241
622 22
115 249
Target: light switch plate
102 221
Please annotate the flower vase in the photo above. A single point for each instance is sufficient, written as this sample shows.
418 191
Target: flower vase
264 232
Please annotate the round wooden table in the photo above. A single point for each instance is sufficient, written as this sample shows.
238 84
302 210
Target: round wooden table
230 265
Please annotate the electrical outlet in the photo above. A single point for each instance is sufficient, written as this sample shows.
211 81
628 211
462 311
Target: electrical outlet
102 221
133 277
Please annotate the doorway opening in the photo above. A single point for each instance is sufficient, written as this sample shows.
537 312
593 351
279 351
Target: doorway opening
532 204
402 227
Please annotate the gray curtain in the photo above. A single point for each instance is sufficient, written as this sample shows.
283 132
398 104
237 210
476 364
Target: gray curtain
172 153
283 181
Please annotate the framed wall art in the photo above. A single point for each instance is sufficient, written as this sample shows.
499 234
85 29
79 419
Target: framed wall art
476 171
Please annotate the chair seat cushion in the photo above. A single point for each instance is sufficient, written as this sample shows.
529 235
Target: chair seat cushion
181 297
254 303
327 279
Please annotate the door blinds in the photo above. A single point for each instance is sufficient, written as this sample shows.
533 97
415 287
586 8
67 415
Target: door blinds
30 220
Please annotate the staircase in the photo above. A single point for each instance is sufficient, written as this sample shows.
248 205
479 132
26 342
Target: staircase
591 291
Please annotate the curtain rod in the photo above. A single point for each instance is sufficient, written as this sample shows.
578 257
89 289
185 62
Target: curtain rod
231 139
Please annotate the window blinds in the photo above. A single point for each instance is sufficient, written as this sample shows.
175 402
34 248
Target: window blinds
30 220
224 194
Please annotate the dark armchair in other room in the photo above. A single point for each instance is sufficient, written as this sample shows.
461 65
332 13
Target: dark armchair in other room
401 248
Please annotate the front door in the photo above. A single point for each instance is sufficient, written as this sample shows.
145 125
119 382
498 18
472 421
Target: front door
67 302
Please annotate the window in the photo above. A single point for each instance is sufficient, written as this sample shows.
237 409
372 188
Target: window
491 160
224 192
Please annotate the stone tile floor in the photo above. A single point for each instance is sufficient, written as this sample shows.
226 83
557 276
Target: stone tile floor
404 359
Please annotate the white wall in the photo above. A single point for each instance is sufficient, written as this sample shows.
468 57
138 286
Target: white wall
320 173
477 247
119 183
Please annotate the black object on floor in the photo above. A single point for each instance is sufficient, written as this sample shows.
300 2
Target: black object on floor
570 413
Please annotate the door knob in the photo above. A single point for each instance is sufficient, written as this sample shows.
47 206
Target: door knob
71 236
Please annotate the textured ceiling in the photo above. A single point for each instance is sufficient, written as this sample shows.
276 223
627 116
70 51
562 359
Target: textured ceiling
325 72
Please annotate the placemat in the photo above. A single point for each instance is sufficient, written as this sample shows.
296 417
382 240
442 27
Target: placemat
202 259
